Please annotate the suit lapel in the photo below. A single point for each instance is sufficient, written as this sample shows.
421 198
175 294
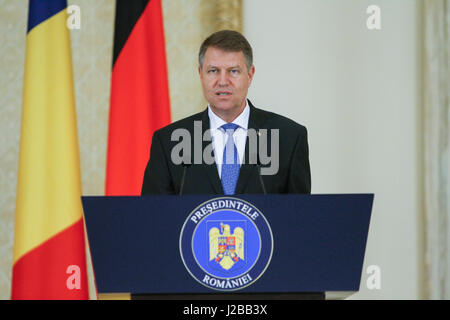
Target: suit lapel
255 122
211 169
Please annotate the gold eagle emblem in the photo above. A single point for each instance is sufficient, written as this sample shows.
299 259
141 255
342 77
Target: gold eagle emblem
226 248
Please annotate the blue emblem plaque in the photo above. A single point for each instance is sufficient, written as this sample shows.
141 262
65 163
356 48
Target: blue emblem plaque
226 244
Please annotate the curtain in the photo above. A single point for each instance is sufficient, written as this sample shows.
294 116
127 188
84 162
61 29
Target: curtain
436 140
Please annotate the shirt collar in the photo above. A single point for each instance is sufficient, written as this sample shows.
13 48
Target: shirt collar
242 120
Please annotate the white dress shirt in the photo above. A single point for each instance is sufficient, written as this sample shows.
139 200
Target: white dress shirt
219 136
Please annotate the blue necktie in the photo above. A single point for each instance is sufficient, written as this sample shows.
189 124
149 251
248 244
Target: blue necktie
230 162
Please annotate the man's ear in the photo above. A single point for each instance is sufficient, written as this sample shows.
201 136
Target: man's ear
251 73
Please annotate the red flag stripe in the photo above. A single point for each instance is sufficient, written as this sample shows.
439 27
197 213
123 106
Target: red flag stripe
139 102
49 271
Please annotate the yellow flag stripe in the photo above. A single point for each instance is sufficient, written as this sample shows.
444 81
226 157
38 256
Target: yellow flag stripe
49 186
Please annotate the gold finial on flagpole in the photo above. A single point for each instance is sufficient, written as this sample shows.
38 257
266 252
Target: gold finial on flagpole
229 15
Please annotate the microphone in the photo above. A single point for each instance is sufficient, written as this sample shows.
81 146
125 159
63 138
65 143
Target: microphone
183 178
260 177
258 166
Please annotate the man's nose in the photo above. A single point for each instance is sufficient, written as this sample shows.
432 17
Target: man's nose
223 79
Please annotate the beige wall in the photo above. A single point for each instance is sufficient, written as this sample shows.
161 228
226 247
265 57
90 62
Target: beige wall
187 23
359 94
12 36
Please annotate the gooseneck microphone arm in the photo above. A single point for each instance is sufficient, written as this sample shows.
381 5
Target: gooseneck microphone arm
183 177
258 166
258 163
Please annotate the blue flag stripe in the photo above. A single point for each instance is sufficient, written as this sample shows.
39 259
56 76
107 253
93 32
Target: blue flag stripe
41 10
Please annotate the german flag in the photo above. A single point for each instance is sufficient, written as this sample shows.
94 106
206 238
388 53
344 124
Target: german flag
49 251
139 102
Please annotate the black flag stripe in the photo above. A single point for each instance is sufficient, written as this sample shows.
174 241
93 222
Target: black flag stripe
128 13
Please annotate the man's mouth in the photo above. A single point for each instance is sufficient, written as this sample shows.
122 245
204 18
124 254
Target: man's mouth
223 93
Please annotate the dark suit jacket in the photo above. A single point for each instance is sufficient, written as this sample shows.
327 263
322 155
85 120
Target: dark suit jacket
162 176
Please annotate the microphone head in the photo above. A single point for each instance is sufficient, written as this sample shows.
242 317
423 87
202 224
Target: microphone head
185 164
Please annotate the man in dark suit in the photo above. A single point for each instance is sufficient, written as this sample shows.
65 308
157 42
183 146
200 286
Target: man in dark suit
227 131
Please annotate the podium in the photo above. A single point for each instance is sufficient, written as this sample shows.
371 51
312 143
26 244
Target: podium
277 246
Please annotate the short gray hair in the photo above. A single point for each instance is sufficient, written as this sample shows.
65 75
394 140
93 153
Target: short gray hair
227 40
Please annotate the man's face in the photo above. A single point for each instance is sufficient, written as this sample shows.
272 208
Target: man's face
225 81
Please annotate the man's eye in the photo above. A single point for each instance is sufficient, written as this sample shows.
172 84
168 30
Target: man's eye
212 71
235 71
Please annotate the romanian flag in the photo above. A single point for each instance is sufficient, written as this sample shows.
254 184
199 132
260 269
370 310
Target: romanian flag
49 251
139 102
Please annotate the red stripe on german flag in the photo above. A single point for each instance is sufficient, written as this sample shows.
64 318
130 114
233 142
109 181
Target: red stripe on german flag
139 93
